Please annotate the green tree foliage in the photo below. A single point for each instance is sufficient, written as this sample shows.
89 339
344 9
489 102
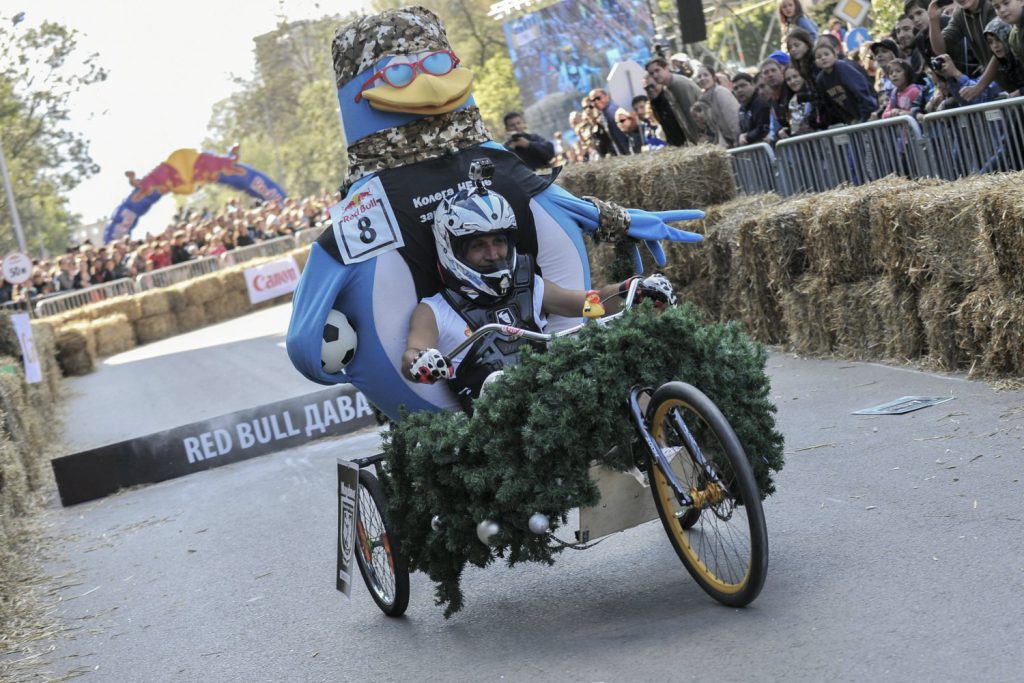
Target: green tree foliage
40 69
749 23
493 94
884 14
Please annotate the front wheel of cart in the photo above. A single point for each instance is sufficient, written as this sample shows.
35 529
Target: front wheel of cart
378 552
721 537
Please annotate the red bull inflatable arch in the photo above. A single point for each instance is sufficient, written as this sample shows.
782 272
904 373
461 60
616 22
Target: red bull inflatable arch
184 172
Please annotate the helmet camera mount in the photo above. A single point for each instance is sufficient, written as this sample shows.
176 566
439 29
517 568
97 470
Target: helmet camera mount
480 170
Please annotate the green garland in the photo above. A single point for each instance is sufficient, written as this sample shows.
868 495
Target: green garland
529 445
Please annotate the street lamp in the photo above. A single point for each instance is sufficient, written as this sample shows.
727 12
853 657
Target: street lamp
17 19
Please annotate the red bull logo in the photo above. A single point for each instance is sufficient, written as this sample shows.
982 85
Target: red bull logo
208 168
162 179
357 200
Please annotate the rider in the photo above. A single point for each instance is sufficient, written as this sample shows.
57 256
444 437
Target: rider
486 280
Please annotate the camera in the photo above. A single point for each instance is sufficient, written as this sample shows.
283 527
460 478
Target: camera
944 3
937 63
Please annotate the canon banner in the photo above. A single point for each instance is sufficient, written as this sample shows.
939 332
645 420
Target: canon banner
271 280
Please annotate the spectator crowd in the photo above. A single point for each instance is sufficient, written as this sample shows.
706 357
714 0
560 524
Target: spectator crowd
191 235
939 54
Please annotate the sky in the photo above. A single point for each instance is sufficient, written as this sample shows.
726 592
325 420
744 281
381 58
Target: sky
167 63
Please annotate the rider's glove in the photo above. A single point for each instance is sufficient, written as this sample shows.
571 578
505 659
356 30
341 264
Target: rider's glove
657 287
430 366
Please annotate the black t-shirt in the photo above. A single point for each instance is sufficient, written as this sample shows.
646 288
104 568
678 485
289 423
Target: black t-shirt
674 133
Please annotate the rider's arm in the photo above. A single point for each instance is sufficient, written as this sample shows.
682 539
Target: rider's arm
423 334
569 302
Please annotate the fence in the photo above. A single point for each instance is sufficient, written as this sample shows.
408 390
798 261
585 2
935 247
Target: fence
170 275
981 138
273 247
81 297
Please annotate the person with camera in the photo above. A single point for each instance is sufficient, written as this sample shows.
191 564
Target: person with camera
957 82
967 26
533 150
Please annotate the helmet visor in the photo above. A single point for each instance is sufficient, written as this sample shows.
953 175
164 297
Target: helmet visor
485 252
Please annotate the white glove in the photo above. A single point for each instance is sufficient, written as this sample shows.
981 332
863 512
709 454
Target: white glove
659 288
430 366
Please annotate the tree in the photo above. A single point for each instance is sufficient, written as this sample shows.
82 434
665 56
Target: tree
40 69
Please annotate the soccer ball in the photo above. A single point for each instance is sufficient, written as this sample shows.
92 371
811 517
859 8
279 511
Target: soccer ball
339 344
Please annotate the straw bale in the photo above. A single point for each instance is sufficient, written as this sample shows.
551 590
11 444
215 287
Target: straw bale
200 290
854 321
155 302
9 344
191 318
156 327
938 305
76 348
15 494
676 178
126 305
805 310
1002 228
839 237
114 334
229 305
1003 316
233 279
933 231
974 318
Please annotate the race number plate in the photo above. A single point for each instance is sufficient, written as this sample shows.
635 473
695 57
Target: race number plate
348 516
364 224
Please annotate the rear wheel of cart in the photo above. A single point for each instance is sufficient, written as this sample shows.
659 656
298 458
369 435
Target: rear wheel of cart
379 552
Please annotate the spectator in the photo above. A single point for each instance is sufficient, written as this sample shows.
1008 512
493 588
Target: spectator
242 236
957 81
905 91
678 93
6 290
662 113
791 15
708 125
681 64
904 35
998 35
966 26
650 129
179 253
802 113
630 127
1012 12
596 132
800 46
603 101
723 103
65 278
754 113
885 53
533 150
846 94
82 278
723 79
777 95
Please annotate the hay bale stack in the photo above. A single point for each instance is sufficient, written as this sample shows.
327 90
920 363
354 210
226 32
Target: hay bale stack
233 279
933 232
76 349
938 305
854 321
974 320
114 334
230 304
1002 228
156 302
1004 354
805 311
24 424
198 291
156 327
126 305
191 318
45 335
676 178
840 238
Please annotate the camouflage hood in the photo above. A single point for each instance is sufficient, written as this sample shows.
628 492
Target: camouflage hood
1001 30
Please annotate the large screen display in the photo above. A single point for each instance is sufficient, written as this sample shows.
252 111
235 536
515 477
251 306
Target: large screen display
569 47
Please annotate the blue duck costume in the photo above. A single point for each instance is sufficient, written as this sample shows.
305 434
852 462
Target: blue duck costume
411 143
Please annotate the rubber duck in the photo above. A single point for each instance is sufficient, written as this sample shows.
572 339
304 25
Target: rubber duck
592 306
413 129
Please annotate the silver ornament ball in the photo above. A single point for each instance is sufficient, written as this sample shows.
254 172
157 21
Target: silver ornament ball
486 530
539 523
436 523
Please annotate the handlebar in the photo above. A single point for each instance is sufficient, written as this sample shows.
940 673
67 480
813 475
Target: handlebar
510 332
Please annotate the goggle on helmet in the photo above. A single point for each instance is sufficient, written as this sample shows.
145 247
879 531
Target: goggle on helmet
457 221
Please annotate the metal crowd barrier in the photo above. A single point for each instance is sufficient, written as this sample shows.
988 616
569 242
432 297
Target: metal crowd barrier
981 138
857 154
178 273
81 297
755 169
278 245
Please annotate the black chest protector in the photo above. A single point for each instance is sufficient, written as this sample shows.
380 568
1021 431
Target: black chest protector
492 353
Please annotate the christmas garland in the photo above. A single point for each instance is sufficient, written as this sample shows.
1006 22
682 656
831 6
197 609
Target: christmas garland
533 436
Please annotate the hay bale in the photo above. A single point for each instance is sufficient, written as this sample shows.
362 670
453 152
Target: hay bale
76 348
191 318
933 231
126 305
854 322
114 334
9 344
974 320
938 305
1002 228
155 302
198 291
231 304
1004 353
676 178
156 327
233 279
805 310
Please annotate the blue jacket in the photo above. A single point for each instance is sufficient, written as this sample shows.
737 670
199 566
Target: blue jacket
848 94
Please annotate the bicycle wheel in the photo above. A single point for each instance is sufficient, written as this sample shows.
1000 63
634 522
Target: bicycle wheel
379 553
721 539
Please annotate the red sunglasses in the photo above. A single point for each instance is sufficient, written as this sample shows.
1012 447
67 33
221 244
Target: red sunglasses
402 75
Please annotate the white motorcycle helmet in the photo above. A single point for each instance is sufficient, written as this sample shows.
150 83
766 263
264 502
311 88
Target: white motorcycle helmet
457 221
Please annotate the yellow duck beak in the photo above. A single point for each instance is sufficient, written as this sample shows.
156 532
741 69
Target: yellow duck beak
427 95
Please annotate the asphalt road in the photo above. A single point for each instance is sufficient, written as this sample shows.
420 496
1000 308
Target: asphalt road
896 554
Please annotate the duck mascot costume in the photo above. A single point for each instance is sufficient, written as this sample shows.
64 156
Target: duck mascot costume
413 132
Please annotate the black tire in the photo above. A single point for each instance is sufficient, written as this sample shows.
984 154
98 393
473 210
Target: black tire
727 527
378 551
